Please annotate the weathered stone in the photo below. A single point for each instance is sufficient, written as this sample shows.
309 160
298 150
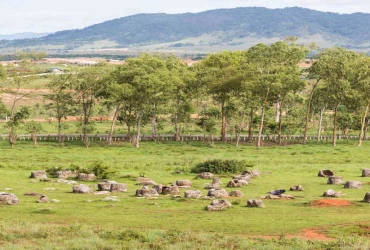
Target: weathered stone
280 196
205 175
72 182
86 177
352 184
236 183
158 188
192 194
82 189
170 190
43 199
236 193
64 174
146 192
41 174
8 199
183 183
104 186
218 193
366 172
145 181
31 194
367 198
102 193
215 184
111 198
217 205
335 180
118 187
296 188
242 177
332 193
255 203
252 173
325 173
49 189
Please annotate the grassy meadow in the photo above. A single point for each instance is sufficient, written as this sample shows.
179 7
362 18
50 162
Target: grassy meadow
165 223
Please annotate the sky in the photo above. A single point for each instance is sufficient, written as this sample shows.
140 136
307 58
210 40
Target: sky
18 16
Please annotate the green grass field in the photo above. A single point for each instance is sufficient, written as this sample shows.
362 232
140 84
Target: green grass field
149 221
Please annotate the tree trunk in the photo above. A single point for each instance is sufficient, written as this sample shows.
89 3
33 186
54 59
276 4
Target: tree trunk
154 128
110 135
308 111
176 126
280 121
137 142
128 131
223 122
363 125
259 142
34 138
334 143
320 123
11 137
250 129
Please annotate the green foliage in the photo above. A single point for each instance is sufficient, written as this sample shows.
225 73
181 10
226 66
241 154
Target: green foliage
219 166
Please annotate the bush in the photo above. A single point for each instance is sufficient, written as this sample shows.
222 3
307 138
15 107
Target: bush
221 166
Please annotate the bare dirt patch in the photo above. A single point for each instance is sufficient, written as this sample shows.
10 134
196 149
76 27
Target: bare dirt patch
330 203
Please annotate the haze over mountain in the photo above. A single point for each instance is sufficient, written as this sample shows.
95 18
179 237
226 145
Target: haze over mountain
23 35
231 28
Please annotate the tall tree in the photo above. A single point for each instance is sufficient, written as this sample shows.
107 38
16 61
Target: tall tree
87 85
223 79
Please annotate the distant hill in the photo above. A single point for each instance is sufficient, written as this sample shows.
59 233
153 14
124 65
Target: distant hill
239 27
23 35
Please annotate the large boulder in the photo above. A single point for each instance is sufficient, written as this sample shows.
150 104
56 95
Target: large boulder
205 175
332 193
41 174
170 190
246 177
352 184
159 188
146 192
217 205
215 183
43 199
183 183
367 198
325 173
65 174
335 180
236 193
86 177
218 193
8 199
277 192
237 183
118 187
192 194
296 188
255 203
366 172
145 181
81 189
252 173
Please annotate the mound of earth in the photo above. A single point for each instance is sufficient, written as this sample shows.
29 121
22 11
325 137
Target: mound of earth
330 203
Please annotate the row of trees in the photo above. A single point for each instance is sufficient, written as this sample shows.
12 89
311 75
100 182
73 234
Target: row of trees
243 85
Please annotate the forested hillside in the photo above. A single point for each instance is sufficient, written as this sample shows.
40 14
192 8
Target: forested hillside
223 25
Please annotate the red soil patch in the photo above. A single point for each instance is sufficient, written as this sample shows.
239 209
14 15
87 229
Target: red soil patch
310 234
330 203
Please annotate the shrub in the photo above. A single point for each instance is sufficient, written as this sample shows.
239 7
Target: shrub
221 166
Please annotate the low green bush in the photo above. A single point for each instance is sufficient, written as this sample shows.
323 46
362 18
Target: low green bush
218 166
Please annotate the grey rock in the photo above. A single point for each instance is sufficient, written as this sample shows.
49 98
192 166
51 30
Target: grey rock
64 174
332 193
352 184
102 193
217 205
236 193
82 189
296 188
255 203
43 199
183 183
335 180
146 192
325 173
40 174
205 175
192 194
367 198
366 172
86 177
170 190
8 199
218 193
